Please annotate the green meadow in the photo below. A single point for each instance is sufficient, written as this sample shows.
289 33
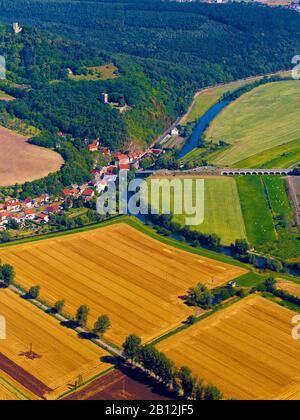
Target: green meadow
257 215
269 216
285 156
262 127
288 244
209 97
222 210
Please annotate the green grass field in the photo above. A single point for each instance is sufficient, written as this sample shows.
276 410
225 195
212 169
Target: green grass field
257 215
288 245
108 71
277 193
223 215
257 123
285 156
209 97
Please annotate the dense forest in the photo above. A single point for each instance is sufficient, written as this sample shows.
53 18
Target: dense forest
208 42
164 52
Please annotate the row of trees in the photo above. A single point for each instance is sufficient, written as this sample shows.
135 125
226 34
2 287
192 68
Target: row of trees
165 225
164 222
101 326
270 286
156 364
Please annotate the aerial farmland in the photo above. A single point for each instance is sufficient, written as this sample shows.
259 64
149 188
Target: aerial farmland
246 349
260 122
57 357
21 162
138 281
149 203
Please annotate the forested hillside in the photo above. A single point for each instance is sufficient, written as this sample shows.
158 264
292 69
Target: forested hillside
54 102
207 41
163 51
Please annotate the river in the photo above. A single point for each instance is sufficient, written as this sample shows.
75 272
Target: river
201 126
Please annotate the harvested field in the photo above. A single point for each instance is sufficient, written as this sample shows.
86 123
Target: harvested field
246 350
61 356
119 386
17 391
116 270
289 286
21 161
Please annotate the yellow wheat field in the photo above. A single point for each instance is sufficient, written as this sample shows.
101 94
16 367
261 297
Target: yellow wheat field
138 281
246 350
7 395
61 356
289 286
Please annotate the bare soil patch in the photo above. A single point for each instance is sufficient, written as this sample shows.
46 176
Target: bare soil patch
21 161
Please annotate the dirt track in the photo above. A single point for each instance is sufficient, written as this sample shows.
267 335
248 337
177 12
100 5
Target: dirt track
293 183
21 161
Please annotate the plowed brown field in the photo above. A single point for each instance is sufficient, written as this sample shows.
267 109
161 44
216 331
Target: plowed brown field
62 357
246 350
116 270
21 161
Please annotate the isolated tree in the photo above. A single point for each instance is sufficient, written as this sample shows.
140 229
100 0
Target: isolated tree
59 306
82 315
132 348
191 320
7 274
102 325
200 296
34 292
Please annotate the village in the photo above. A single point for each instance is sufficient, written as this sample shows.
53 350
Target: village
16 213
